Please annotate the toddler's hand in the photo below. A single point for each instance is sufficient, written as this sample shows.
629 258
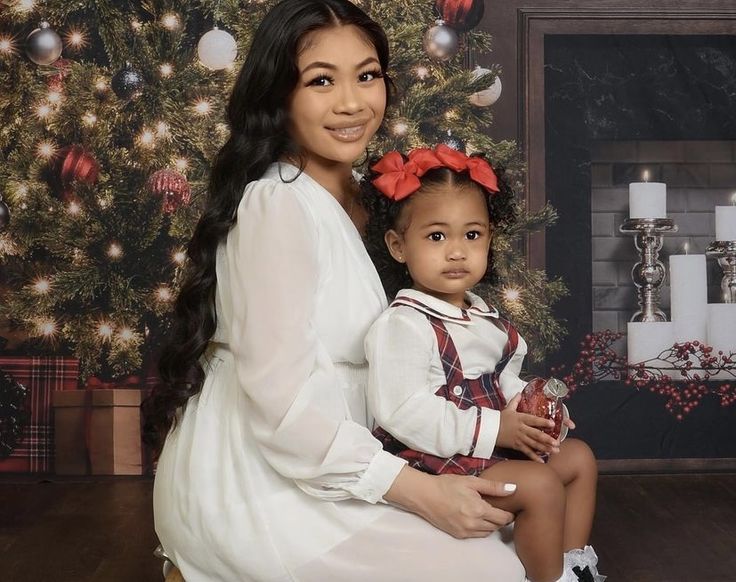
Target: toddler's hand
521 432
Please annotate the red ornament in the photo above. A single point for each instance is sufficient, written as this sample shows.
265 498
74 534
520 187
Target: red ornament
461 15
172 187
542 398
73 164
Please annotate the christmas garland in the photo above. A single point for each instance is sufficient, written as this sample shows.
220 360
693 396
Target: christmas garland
14 413
684 374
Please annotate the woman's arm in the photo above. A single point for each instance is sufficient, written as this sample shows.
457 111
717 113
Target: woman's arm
294 403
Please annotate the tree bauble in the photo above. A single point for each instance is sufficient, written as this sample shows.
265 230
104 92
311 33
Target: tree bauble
128 83
441 42
43 45
486 97
4 214
172 187
461 15
217 49
73 164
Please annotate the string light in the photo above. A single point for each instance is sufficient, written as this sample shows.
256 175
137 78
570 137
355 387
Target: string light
104 201
89 119
126 334
162 129
46 327
421 72
46 150
511 295
101 85
7 45
181 164
76 38
163 293
166 69
170 21
43 111
136 25
114 251
146 138
54 97
179 257
41 285
400 128
21 190
202 106
74 208
104 330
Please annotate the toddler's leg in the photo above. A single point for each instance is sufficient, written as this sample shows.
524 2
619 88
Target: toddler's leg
539 505
577 469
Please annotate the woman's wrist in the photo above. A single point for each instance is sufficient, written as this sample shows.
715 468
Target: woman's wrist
410 490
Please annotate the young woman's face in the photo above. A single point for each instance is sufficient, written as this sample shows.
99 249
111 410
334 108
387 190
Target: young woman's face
444 241
340 97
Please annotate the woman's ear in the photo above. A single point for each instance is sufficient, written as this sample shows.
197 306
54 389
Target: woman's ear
395 245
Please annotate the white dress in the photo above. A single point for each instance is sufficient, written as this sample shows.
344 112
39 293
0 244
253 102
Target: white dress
271 473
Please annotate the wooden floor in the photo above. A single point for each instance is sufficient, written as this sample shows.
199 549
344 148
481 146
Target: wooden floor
653 528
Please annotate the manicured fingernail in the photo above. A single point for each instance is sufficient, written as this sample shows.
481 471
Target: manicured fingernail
510 487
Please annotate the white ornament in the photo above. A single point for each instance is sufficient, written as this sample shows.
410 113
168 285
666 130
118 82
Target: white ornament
486 97
217 49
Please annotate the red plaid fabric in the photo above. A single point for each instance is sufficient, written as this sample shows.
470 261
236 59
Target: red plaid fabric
41 375
482 392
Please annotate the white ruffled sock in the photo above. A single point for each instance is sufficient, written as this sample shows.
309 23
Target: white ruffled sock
581 558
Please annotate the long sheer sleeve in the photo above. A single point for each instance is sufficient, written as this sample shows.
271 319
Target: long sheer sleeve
297 411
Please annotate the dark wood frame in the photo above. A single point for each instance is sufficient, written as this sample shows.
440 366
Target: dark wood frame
533 24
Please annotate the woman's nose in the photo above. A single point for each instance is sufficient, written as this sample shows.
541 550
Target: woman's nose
348 99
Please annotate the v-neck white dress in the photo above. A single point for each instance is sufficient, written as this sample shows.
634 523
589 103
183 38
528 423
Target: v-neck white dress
271 473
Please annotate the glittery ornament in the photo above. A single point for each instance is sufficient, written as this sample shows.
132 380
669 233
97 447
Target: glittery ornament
453 142
4 214
217 49
485 97
542 398
128 83
172 187
461 15
43 45
73 164
441 42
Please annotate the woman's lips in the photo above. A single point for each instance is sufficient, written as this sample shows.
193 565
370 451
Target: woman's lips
348 134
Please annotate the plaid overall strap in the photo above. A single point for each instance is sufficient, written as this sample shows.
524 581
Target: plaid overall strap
509 349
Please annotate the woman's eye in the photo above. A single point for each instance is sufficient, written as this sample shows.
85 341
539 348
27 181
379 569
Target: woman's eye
369 76
321 81
436 236
473 235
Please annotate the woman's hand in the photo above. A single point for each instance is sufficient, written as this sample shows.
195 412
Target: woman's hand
521 432
452 503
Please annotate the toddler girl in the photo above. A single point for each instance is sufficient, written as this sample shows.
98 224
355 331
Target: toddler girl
444 367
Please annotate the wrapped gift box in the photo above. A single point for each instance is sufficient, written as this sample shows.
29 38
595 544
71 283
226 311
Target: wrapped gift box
98 431
42 375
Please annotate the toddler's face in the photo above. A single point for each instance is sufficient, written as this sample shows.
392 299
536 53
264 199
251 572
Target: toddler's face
444 241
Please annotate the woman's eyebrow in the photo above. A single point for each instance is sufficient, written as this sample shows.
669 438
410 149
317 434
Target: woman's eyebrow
332 67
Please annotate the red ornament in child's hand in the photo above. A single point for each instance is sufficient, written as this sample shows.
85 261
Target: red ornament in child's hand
541 398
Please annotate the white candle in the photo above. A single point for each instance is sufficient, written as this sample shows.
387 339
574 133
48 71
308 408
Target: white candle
726 223
722 331
647 200
688 297
646 340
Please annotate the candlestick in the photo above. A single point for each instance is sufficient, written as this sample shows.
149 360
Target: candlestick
725 252
725 223
689 296
647 340
648 274
647 200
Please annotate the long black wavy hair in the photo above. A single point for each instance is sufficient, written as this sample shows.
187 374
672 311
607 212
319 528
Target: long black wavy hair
385 214
258 117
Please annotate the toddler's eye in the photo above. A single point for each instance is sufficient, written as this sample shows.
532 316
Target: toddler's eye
473 235
437 236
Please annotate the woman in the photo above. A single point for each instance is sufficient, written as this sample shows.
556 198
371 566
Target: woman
268 471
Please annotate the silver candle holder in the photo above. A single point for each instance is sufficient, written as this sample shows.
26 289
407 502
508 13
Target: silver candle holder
649 273
725 252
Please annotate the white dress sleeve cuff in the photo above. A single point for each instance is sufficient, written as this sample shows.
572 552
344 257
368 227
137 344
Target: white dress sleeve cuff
490 423
378 477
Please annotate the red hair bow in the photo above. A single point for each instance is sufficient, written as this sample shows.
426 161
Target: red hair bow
400 178
480 171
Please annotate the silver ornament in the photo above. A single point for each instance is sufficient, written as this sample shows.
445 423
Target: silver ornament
127 83
43 45
441 42
4 214
217 49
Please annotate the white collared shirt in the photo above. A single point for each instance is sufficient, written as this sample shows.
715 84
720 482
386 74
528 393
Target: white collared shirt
406 371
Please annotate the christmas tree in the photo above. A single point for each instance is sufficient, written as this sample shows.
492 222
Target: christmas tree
112 115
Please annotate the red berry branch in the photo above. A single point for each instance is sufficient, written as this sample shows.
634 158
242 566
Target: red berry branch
683 374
